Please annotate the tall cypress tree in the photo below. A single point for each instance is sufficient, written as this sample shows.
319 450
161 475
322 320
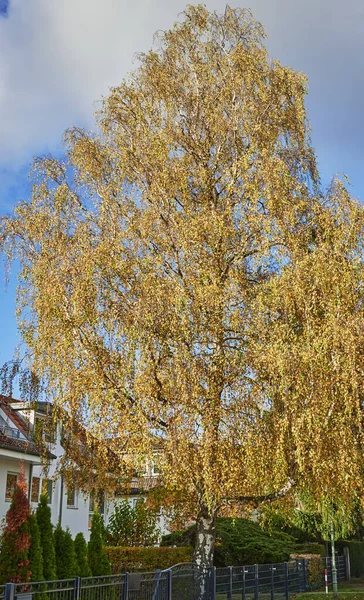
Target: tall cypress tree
15 543
65 554
81 556
43 515
35 551
97 557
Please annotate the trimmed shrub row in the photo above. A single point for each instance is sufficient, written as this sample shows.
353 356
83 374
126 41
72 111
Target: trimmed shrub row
309 548
147 558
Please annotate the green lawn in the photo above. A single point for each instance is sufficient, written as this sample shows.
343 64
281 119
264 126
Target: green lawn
348 590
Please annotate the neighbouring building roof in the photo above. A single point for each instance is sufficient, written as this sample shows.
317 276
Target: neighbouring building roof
25 446
17 445
12 414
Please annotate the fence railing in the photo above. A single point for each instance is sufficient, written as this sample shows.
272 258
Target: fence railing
186 582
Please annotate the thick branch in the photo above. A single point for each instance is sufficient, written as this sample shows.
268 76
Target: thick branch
256 500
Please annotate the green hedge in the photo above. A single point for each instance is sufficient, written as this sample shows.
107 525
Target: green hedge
147 558
356 552
309 548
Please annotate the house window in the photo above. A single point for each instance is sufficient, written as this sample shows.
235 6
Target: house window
71 498
91 504
156 468
11 481
92 507
35 489
47 488
135 501
43 430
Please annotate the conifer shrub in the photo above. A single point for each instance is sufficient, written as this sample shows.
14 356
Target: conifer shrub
81 556
15 543
35 551
66 560
97 558
43 515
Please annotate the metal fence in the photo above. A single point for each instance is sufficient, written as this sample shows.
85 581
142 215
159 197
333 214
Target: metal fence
186 582
277 581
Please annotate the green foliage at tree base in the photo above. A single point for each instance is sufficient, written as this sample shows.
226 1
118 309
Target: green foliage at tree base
239 542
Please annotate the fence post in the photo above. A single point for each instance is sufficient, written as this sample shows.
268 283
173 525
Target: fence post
9 593
256 582
77 588
272 583
125 586
230 594
286 580
243 586
304 565
298 575
212 583
169 584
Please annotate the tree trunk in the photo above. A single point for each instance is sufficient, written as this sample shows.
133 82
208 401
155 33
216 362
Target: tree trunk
205 538
204 547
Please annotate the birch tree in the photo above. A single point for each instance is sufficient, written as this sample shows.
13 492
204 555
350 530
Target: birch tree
177 291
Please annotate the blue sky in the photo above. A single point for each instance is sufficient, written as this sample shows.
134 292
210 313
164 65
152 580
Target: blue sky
58 57
4 5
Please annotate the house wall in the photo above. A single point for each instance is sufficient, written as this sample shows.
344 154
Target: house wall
12 465
76 518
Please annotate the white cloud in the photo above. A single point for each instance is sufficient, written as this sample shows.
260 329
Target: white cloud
57 57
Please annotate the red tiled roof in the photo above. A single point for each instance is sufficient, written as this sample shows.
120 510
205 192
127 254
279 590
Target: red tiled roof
27 446
14 416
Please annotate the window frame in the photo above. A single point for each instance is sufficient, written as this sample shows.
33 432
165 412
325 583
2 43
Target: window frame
156 470
41 429
134 501
34 478
9 498
75 498
47 488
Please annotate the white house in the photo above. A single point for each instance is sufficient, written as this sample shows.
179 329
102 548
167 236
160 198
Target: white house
18 451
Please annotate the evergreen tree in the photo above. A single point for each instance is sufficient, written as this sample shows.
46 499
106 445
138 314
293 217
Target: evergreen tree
15 543
81 556
97 558
65 554
43 515
35 550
